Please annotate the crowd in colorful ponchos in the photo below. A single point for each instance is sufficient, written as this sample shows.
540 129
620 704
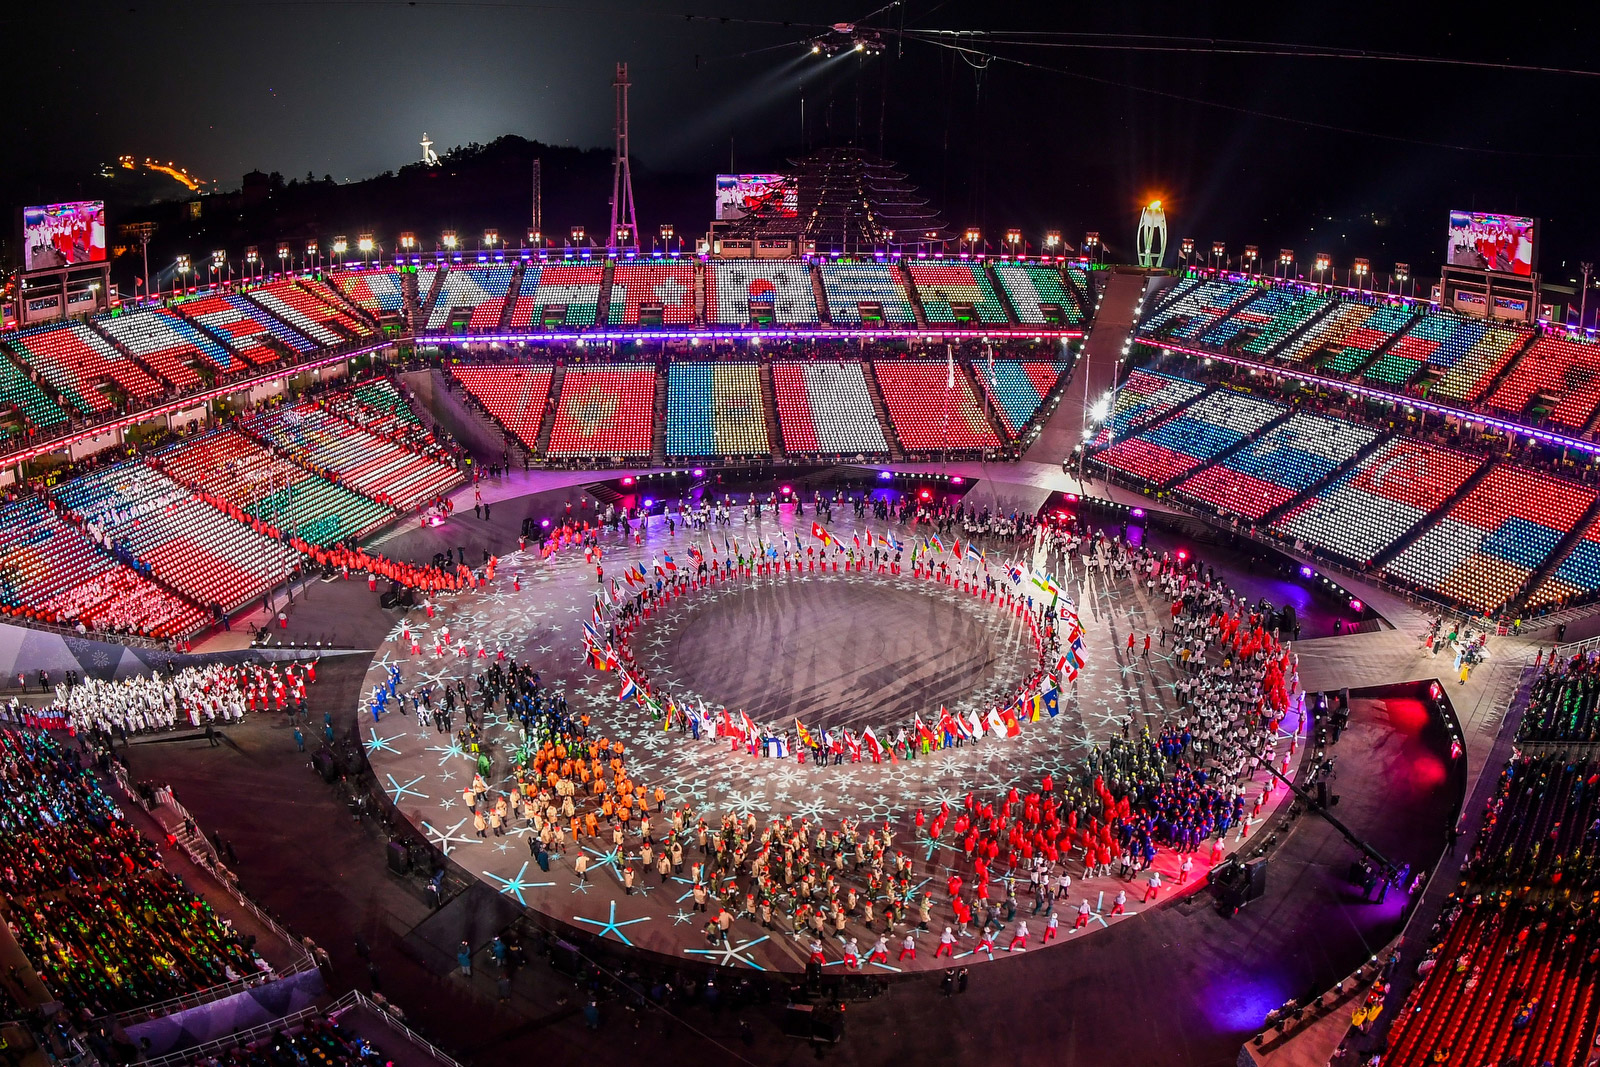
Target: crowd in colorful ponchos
192 697
106 926
1052 624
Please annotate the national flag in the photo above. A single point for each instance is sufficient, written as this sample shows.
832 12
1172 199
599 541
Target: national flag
894 543
1073 657
857 539
870 739
601 659
1015 570
1034 707
947 725
820 534
956 550
805 735
749 727
937 544
1051 699
975 554
630 691
854 745
698 556
592 635
666 561
974 725
1046 583
922 731
1008 717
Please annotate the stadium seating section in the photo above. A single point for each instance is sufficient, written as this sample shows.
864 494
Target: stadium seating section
604 411
941 285
1559 373
669 284
1083 281
575 286
170 345
1145 396
514 396
1191 438
81 365
1192 307
480 290
234 468
732 285
1563 709
1279 465
349 456
1509 978
1016 388
925 414
312 307
377 407
848 285
1577 576
826 409
243 325
21 395
187 543
51 572
103 921
1264 320
715 409
1028 285
375 290
1485 547
1464 353
1373 505
1346 337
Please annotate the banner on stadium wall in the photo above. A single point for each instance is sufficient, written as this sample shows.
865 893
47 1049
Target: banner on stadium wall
1484 241
772 195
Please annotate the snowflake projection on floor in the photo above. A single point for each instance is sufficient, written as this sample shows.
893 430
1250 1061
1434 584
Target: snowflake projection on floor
611 925
398 790
735 951
375 744
517 885
449 840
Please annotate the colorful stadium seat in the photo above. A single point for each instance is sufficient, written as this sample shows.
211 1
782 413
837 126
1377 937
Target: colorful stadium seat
715 409
1264 320
481 291
170 345
1279 465
375 467
81 364
377 291
826 409
1029 285
1559 371
1195 436
1145 396
1468 352
849 285
1372 506
311 307
1017 388
670 284
1483 550
20 394
733 285
940 286
927 412
244 325
1346 337
515 396
604 411
1193 307
574 286
1577 576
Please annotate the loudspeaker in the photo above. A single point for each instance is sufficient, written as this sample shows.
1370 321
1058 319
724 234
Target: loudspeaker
1255 881
399 857
1344 699
322 762
797 1021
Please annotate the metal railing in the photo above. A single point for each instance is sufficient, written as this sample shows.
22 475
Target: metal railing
234 1040
355 996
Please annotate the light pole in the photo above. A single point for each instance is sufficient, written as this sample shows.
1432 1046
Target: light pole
366 244
1583 300
1218 252
668 232
970 239
576 236
1286 261
1091 243
1013 239
491 237
448 240
252 261
1186 250
1361 269
219 263
182 266
313 252
1320 264
1252 256
1052 242
340 246
408 241
535 239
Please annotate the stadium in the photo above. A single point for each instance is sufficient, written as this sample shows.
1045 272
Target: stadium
833 632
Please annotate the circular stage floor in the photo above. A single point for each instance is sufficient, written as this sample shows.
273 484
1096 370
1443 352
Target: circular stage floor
836 650
723 643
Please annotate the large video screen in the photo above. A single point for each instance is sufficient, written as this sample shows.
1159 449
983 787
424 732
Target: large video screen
1482 241
771 195
63 235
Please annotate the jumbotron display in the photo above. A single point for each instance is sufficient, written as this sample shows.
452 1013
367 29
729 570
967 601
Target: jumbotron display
1483 241
63 235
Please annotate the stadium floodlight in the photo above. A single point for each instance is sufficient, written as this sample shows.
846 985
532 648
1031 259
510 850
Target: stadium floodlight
1219 253
408 240
1286 261
971 238
1091 243
1401 275
366 244
1052 239
577 234
491 237
1252 255
448 239
1320 264
340 246
1186 248
1361 268
535 238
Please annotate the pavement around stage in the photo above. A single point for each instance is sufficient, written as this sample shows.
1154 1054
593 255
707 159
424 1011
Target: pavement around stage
424 772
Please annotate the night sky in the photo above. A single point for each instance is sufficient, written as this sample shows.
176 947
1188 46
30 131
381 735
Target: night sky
1076 142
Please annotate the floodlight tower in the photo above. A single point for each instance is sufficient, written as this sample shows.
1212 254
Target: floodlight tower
1152 235
624 232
